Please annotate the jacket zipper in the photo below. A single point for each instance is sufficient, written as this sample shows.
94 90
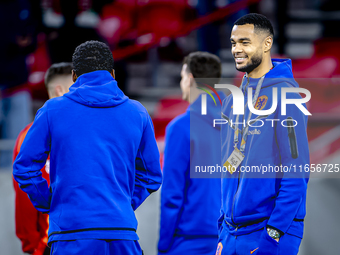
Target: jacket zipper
232 208
238 179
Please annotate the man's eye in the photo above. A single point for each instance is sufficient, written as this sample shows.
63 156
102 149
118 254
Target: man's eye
245 43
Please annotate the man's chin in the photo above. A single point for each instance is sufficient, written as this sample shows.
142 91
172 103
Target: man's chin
244 69
241 68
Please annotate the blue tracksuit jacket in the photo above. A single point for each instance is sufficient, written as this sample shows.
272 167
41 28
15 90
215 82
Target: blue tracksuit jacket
279 201
104 161
190 206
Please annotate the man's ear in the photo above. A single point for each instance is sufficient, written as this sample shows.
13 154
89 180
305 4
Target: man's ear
192 80
74 76
268 43
113 73
58 91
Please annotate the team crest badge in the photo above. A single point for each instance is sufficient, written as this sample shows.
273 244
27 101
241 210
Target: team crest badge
219 249
261 102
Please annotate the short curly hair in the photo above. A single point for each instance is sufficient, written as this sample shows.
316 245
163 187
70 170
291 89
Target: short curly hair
92 56
56 70
203 65
259 21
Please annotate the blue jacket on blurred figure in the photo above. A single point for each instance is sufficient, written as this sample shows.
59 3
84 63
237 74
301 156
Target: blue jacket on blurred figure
190 201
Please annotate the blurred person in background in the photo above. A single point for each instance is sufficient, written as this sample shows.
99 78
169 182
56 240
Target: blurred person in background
31 226
205 33
18 39
212 30
190 206
262 213
76 19
104 160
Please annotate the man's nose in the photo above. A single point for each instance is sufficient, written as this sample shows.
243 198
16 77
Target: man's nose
237 49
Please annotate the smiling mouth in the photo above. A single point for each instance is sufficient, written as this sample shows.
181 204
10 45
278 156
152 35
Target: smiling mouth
239 60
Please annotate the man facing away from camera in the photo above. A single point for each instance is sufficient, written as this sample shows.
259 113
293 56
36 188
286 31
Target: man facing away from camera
190 201
104 160
31 226
262 212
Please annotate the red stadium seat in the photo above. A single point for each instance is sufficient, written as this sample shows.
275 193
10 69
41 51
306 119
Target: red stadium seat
315 75
161 18
328 47
167 109
116 21
319 75
183 3
315 67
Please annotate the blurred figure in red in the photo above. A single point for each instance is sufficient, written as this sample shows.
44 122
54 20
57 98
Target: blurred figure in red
32 225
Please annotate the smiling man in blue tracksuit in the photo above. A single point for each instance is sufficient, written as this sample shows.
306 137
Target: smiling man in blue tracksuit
190 201
262 212
104 160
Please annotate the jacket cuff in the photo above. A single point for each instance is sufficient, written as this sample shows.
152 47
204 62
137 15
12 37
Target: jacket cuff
278 230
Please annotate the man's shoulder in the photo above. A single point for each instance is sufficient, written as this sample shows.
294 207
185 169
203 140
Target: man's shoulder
181 119
135 107
285 84
181 122
135 104
56 102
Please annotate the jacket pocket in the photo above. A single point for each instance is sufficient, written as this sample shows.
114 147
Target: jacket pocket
296 228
